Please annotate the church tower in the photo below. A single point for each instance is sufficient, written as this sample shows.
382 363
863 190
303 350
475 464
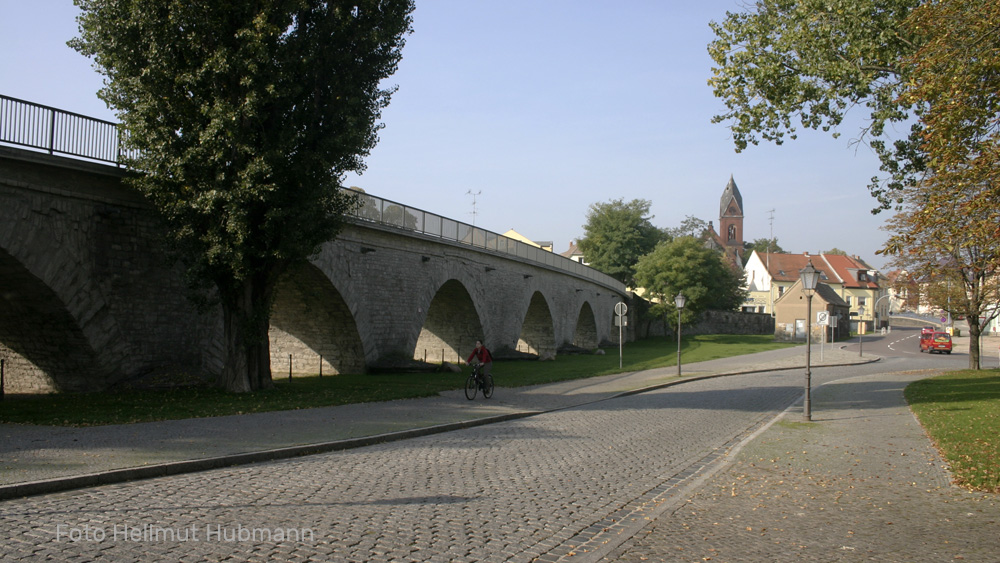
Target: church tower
731 222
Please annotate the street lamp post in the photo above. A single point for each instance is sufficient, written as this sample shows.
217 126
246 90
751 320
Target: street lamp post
679 302
810 277
861 331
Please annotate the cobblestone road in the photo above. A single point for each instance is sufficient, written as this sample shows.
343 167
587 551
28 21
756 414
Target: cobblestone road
542 488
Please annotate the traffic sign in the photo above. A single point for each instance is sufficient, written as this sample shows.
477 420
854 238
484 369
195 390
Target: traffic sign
621 321
822 318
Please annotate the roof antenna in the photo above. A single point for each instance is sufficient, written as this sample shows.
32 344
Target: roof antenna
474 212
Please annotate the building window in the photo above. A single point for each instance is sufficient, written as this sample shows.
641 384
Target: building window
862 301
732 232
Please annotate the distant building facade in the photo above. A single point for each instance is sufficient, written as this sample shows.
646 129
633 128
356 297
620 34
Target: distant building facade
770 275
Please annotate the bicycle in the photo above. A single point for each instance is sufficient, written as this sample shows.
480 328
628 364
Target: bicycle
478 381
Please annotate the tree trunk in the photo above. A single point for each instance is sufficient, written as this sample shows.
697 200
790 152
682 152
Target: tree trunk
246 315
975 330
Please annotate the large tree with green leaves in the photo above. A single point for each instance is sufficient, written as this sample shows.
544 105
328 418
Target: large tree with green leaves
761 245
685 265
691 226
245 117
616 235
783 64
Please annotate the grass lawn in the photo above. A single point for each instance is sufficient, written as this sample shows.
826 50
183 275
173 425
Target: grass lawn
76 409
961 412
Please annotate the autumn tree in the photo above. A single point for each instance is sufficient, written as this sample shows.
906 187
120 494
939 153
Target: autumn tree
616 235
956 75
245 117
949 234
685 265
958 273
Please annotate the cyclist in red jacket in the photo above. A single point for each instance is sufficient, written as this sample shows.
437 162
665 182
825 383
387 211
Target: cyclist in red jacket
483 356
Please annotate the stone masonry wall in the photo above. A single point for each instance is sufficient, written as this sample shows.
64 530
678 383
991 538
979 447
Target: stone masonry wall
391 278
90 299
94 301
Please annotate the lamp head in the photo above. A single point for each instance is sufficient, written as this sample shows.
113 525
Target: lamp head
680 301
810 277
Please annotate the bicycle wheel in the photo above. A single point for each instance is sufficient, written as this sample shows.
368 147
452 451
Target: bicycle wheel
488 386
470 387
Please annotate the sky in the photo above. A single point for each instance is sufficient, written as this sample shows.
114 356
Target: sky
521 114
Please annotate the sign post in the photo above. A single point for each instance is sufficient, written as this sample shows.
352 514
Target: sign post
620 309
823 320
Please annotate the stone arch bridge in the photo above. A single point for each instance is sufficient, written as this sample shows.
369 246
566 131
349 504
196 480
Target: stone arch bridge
87 299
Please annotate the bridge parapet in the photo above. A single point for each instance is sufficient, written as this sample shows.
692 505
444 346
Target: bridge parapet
56 131
386 212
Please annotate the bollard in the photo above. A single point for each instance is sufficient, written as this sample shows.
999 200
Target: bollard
289 368
321 365
2 361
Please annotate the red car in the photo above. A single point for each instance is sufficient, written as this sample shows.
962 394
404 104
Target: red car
939 342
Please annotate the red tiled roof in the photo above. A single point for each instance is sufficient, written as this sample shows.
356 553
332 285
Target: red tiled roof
848 268
833 268
785 267
573 250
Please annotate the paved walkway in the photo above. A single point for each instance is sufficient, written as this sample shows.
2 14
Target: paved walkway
44 459
860 483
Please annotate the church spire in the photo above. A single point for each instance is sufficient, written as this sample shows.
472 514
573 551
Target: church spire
731 223
727 207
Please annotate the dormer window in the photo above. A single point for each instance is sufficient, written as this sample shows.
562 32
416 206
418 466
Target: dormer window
862 275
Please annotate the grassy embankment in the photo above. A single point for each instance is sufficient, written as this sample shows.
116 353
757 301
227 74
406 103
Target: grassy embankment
961 412
308 392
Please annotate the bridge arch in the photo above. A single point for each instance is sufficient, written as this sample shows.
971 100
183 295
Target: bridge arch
311 322
451 325
538 329
43 348
585 335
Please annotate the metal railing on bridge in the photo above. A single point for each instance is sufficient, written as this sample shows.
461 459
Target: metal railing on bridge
386 212
61 132
55 131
